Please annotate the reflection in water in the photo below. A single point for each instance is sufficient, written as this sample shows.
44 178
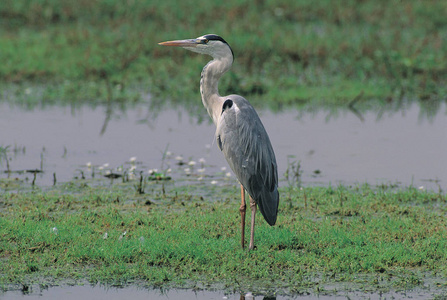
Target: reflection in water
404 148
249 296
136 293
353 109
109 111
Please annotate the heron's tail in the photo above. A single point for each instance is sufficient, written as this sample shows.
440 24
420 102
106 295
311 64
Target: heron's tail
268 205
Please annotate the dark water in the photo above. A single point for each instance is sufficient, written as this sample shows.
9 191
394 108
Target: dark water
134 293
402 148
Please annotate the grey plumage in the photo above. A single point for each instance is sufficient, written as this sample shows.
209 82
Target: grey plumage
240 134
247 148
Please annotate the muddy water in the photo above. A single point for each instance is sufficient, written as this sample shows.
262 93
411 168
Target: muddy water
134 293
402 147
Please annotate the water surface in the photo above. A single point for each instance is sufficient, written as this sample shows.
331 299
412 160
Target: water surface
398 148
134 293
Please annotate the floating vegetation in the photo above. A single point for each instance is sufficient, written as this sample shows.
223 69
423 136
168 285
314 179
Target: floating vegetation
157 176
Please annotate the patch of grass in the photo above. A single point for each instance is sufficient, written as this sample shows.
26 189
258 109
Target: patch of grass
176 239
294 53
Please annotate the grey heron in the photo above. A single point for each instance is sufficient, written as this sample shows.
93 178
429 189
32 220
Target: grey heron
240 134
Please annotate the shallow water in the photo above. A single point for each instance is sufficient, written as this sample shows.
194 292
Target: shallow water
401 148
134 293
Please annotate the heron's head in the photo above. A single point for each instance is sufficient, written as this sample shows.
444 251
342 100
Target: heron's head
210 44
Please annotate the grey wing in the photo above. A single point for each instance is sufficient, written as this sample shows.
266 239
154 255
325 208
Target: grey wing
247 148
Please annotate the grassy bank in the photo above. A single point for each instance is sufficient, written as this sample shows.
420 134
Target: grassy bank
361 238
293 53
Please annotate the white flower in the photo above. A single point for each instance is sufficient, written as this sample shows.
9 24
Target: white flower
168 153
133 159
192 163
422 188
179 158
201 170
132 168
202 160
249 296
106 165
200 178
168 170
187 170
89 165
152 171
55 231
228 174
105 235
214 182
108 172
223 169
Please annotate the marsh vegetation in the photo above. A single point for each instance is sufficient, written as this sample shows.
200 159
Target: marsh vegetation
367 57
303 54
362 237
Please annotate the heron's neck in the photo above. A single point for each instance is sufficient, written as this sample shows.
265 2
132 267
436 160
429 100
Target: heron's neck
209 81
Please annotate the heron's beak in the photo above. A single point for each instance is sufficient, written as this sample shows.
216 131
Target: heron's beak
182 43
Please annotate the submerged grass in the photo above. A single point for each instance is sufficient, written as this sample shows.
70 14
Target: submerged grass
393 238
288 53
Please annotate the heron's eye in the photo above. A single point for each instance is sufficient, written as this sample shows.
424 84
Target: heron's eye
205 41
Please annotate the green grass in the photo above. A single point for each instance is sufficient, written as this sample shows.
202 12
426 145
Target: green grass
306 54
293 53
393 239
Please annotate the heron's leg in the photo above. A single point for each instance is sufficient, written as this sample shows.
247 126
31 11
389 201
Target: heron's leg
242 209
252 232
